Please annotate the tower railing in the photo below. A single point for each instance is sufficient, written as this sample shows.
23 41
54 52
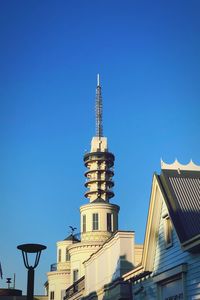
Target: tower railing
53 267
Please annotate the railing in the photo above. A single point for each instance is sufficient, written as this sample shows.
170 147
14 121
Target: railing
53 267
75 288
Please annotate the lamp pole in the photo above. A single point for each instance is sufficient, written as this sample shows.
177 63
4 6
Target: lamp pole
31 248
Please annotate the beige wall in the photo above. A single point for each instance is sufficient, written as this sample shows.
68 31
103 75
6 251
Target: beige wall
58 282
79 253
113 259
138 254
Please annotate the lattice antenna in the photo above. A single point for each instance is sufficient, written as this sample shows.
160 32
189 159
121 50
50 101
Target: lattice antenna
99 124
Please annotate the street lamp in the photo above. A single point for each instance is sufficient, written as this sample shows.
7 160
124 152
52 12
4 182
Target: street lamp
31 248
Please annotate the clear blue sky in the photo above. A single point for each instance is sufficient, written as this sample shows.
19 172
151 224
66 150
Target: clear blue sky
148 56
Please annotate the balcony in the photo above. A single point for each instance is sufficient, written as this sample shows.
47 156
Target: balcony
75 289
53 267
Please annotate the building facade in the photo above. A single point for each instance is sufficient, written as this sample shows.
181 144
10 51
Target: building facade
99 240
171 259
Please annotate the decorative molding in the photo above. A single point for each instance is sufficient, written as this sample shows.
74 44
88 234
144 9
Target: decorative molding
61 272
176 165
170 273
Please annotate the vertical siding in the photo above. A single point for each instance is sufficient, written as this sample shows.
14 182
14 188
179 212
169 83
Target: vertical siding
169 258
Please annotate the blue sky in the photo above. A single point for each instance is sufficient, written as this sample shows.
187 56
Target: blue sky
148 57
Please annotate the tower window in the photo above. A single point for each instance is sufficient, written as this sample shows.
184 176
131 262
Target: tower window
75 275
109 222
51 295
59 255
84 223
95 221
67 255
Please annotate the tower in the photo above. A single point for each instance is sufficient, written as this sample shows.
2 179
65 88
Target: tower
98 218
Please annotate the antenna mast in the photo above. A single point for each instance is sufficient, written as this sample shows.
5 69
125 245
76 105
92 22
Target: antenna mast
99 125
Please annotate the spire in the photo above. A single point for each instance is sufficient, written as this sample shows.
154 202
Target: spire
99 160
99 125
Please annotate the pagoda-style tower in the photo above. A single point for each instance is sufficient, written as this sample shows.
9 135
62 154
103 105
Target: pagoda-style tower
99 218
99 161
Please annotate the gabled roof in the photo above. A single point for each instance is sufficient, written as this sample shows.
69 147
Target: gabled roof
182 196
180 190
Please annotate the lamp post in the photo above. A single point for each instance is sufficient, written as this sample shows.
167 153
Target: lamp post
36 249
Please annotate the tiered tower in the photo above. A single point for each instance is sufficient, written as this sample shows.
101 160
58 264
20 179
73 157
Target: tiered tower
99 218
99 161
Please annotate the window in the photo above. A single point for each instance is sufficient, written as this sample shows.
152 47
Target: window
171 283
67 255
75 275
51 295
59 255
109 222
95 221
172 290
167 231
84 223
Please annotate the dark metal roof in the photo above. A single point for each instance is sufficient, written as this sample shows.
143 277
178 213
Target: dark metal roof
71 237
98 200
182 196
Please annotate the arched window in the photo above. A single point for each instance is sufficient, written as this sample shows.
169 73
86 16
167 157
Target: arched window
67 255
109 222
84 223
59 255
95 222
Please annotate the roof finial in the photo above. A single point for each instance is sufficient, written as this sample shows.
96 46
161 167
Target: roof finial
99 125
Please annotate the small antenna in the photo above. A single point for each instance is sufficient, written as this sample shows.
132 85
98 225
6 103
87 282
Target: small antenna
98 80
14 281
99 106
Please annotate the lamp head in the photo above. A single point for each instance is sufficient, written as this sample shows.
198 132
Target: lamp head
31 248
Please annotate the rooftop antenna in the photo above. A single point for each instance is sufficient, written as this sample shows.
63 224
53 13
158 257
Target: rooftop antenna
99 125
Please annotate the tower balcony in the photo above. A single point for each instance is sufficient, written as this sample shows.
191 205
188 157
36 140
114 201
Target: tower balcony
109 183
53 267
109 193
61 266
107 171
106 157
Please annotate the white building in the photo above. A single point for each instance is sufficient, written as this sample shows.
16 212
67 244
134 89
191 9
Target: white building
103 253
